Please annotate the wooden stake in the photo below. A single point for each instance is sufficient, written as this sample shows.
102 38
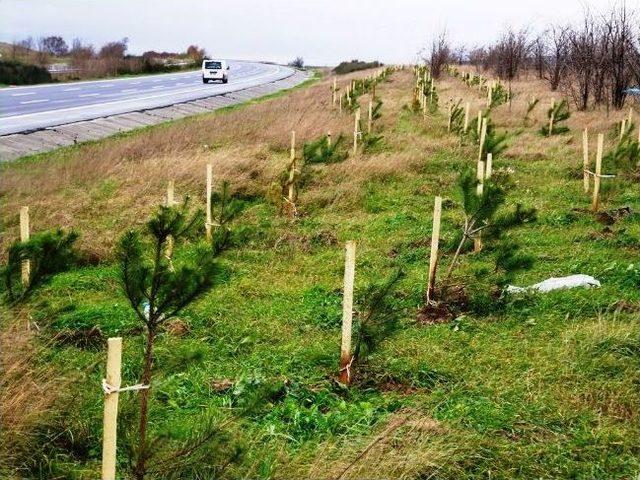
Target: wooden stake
483 136
356 131
170 194
435 241
596 180
479 126
480 177
170 202
292 171
340 100
488 169
623 127
24 237
110 419
347 312
334 90
552 117
209 192
449 120
585 160
630 117
370 120
329 138
466 117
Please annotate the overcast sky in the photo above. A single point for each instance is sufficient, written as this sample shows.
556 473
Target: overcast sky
322 31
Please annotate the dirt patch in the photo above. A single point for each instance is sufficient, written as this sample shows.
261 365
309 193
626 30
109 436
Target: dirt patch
450 303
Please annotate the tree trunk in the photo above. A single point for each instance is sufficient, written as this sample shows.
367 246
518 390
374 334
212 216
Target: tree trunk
140 469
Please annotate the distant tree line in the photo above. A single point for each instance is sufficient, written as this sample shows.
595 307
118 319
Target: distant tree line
83 60
593 62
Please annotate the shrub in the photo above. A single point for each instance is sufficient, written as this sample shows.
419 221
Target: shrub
225 208
16 73
319 151
355 65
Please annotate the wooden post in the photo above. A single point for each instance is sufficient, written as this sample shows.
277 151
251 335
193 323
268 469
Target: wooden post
334 90
110 419
483 136
209 191
24 237
347 312
170 202
356 123
477 241
623 127
596 180
340 100
292 170
370 120
585 160
433 88
552 117
466 117
435 241
630 117
170 194
479 126
488 168
329 138
480 177
449 119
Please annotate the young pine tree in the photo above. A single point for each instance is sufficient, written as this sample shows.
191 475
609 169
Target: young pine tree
225 209
158 292
47 252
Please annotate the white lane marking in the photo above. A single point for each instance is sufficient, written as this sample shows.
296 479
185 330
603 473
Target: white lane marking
22 94
89 95
71 89
34 101
136 83
157 80
108 85
180 83
129 90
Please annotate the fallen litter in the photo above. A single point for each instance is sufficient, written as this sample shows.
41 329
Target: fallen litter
572 281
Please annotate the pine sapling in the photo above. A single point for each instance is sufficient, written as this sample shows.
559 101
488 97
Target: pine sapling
48 252
559 112
158 293
225 209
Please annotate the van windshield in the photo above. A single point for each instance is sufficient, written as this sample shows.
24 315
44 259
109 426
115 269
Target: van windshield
213 65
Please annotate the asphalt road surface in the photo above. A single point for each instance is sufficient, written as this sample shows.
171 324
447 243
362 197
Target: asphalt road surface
39 106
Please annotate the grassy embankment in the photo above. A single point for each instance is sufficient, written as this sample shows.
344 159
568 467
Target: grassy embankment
545 388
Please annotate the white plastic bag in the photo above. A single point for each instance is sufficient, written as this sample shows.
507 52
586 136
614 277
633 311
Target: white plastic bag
572 281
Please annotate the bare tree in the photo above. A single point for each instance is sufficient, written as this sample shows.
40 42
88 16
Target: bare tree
539 53
439 55
113 54
509 55
557 58
580 63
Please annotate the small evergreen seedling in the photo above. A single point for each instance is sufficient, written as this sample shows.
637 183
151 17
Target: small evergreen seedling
531 104
494 143
625 157
320 151
560 113
377 317
48 252
480 212
225 209
158 292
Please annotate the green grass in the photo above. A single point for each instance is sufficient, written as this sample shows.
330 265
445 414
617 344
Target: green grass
545 387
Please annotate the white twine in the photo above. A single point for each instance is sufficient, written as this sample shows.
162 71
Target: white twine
109 389
601 175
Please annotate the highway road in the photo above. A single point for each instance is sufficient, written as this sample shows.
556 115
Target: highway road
40 106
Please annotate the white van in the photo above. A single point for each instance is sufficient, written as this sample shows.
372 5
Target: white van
215 70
